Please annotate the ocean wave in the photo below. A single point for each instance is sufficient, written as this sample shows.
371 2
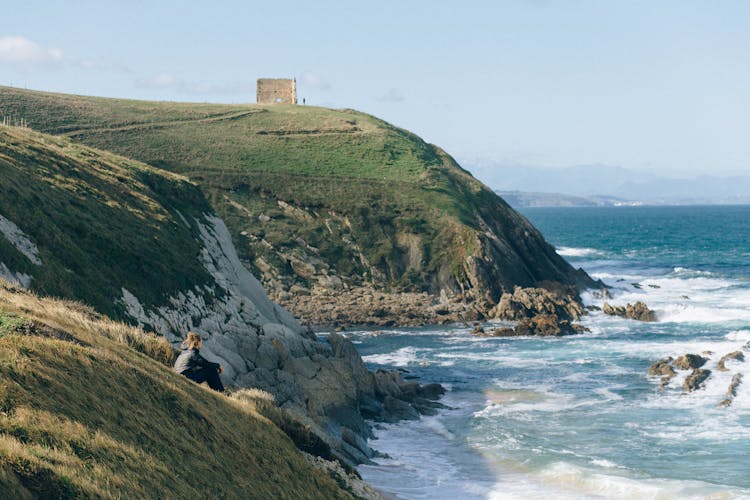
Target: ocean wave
577 252
739 335
399 357
692 272
595 482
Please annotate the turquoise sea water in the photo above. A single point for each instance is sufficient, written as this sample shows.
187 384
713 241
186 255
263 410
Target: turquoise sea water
578 417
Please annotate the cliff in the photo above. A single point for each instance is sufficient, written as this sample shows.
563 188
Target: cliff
320 199
142 245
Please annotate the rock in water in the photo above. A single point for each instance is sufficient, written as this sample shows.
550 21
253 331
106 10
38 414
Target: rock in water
663 369
529 302
547 325
688 361
732 390
736 355
695 379
638 311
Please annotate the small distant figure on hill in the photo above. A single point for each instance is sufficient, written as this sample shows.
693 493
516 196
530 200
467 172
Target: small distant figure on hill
195 367
303 101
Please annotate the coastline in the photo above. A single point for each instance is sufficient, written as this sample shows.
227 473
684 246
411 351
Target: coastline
367 307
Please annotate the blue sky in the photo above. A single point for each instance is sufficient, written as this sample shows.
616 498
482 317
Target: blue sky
662 86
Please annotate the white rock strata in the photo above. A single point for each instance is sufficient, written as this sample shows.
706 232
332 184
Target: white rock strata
19 240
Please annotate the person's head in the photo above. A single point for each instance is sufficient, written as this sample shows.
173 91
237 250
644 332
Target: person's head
192 341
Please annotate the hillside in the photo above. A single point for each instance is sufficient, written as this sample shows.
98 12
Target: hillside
142 245
88 410
318 198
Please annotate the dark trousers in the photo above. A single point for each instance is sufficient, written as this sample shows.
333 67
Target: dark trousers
210 375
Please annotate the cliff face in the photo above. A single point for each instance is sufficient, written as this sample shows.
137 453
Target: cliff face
141 245
322 199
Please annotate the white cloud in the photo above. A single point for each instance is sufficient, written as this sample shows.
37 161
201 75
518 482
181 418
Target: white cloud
393 95
314 81
157 81
20 50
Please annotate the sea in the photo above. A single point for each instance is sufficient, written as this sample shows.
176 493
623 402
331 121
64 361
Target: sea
579 417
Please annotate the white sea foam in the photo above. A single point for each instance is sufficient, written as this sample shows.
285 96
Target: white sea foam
599 484
738 336
577 252
400 357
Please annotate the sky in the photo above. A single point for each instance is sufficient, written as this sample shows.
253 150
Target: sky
659 86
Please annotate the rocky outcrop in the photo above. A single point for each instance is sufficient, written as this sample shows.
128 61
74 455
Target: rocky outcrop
524 303
695 380
732 390
638 311
666 369
689 361
542 325
736 356
367 306
663 369
548 311
325 384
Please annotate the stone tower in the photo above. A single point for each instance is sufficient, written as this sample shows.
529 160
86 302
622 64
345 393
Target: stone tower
276 91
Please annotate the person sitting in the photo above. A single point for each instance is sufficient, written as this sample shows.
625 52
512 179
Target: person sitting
195 367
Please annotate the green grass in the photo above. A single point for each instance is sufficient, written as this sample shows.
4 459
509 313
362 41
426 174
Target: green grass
357 176
85 415
100 221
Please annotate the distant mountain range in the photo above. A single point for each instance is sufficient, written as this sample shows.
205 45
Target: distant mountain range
596 185
522 199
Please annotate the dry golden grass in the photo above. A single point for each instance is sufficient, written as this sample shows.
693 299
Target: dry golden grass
85 411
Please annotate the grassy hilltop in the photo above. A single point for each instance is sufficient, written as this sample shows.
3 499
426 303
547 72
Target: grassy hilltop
319 197
88 409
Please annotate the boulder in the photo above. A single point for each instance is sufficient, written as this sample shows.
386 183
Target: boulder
688 361
397 409
638 311
529 302
696 379
432 392
477 330
547 325
732 390
663 369
736 355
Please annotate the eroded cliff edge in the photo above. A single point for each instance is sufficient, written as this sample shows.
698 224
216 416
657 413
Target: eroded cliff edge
142 245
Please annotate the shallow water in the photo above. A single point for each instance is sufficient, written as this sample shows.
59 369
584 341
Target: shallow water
578 417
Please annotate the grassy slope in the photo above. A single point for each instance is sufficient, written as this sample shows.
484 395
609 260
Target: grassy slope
361 183
83 414
68 198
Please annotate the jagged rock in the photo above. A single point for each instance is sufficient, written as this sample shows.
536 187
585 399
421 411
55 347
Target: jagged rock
477 330
695 379
663 369
736 355
547 325
398 409
732 390
431 391
688 361
638 311
540 325
529 302
323 306
498 332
